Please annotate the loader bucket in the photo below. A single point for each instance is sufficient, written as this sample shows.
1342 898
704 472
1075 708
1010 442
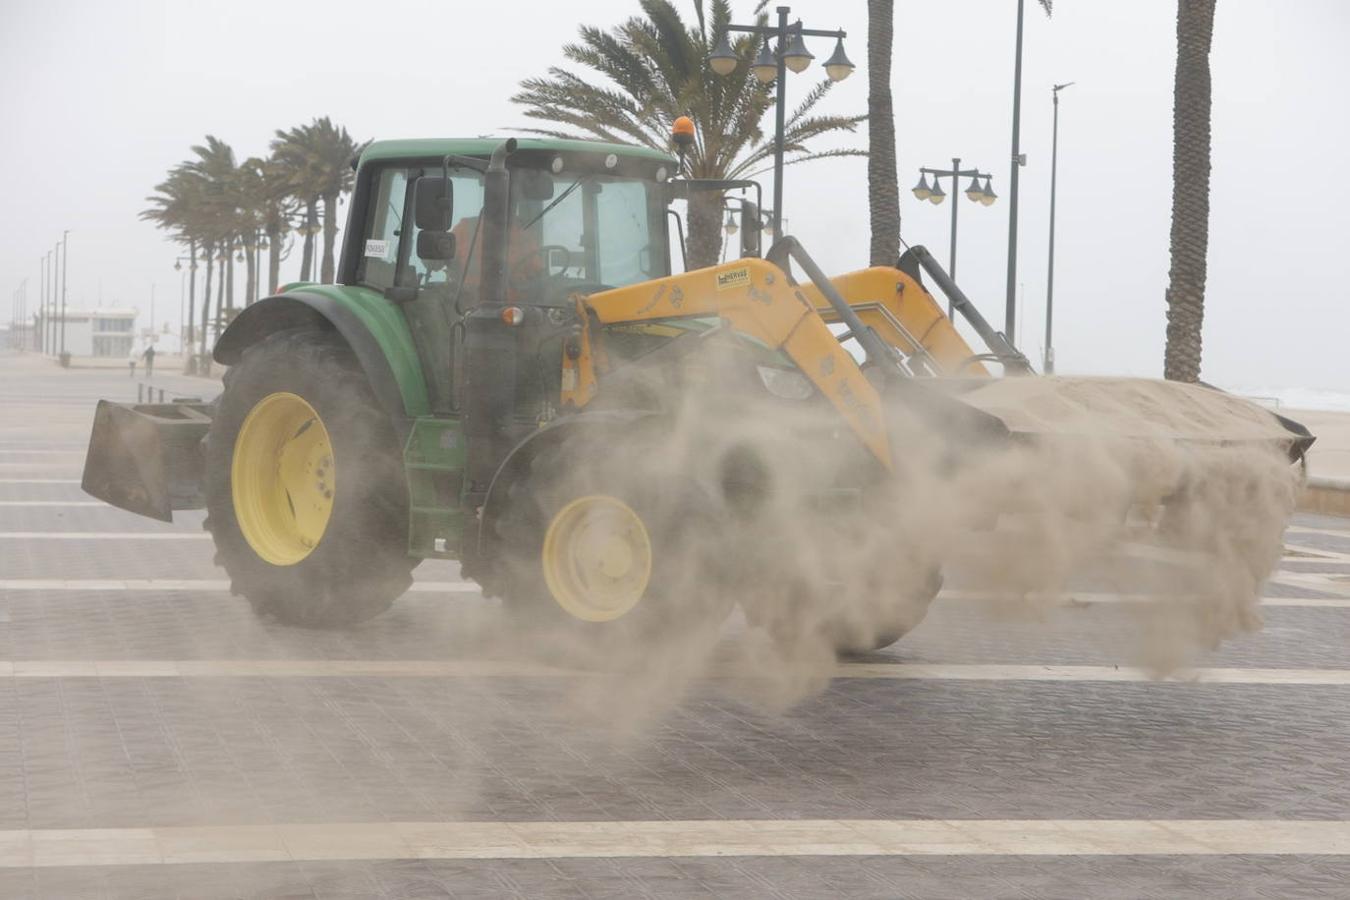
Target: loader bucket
1131 408
147 458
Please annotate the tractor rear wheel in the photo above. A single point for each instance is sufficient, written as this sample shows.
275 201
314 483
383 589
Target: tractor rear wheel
304 490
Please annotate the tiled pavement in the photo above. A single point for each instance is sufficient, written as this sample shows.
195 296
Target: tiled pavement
123 753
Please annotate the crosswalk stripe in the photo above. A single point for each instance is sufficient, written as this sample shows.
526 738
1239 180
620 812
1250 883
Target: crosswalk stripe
1316 554
36 465
670 839
52 503
1329 532
994 672
27 452
489 668
156 585
105 535
39 481
147 585
1094 598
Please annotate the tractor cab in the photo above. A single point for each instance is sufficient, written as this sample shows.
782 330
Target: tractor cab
568 217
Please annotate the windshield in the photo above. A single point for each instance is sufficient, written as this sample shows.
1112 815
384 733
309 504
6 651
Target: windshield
587 229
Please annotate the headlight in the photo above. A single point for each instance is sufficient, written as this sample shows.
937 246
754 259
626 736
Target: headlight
788 384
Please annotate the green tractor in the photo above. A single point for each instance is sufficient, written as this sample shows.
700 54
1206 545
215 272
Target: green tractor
493 380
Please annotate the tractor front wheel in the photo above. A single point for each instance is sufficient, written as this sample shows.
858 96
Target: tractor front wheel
594 545
304 490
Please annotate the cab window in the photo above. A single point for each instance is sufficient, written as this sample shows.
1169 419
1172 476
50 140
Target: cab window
391 207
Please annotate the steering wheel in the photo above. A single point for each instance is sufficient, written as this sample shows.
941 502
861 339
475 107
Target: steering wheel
547 250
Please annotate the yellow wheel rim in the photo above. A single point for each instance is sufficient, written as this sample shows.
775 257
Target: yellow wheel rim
283 478
597 558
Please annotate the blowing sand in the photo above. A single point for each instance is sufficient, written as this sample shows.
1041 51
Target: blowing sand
1095 466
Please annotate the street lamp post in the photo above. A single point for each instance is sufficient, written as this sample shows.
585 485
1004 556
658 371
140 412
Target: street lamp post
65 263
1050 275
54 279
42 304
188 320
984 195
771 66
1018 160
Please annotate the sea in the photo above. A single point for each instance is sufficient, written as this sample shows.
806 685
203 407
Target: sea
1294 397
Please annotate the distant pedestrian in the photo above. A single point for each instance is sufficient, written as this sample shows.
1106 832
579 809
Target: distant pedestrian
131 361
149 355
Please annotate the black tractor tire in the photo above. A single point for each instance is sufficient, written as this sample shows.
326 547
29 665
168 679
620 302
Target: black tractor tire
901 614
671 605
868 610
360 564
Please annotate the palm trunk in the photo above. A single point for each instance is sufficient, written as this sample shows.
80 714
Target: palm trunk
250 273
307 257
229 280
883 189
192 297
1190 191
274 236
705 229
330 202
220 290
207 250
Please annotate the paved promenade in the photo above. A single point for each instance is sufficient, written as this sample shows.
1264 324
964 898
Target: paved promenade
158 740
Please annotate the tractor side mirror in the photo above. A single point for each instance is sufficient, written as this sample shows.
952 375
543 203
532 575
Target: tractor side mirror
435 245
433 203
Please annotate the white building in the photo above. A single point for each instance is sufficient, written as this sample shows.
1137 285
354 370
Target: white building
94 332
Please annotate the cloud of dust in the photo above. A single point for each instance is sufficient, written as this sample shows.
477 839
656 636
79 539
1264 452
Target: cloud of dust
771 507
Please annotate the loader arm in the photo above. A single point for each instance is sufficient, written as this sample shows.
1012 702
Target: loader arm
906 316
757 299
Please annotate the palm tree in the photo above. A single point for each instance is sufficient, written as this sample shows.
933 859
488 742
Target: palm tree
883 188
215 169
318 157
657 69
171 208
293 154
1190 190
278 208
251 199
335 151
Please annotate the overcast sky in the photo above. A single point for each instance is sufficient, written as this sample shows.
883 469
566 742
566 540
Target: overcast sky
99 99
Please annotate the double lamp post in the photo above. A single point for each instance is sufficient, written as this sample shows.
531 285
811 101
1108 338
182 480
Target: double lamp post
975 193
771 65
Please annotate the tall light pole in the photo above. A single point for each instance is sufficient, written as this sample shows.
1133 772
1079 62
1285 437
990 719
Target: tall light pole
65 264
42 304
182 309
190 318
1050 274
1010 316
772 65
52 279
